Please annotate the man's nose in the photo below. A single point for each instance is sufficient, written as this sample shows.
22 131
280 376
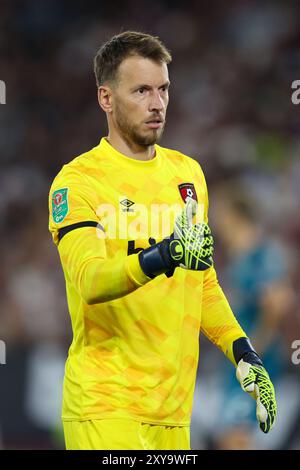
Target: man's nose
156 102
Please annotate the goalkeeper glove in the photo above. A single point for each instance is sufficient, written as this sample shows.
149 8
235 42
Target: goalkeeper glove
190 246
255 380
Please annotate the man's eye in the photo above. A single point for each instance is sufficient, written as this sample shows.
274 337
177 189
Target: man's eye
141 90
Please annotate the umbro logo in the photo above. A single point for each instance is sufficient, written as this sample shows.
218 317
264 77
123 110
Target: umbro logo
126 203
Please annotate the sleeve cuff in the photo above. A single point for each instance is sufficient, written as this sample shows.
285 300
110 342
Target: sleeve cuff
227 344
134 270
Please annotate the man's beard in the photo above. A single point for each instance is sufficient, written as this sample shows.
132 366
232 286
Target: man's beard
131 133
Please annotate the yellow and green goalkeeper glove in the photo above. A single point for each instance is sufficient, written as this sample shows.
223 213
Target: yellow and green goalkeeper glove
190 246
255 380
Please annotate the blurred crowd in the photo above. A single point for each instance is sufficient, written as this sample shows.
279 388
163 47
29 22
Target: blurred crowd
231 109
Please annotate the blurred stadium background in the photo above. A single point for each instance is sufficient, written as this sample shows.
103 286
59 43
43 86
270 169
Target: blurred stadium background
233 65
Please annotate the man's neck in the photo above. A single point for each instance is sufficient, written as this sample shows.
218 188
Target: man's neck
130 149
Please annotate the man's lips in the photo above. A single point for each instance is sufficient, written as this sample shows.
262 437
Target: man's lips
154 123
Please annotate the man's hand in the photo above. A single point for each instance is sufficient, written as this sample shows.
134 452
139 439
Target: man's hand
190 246
255 380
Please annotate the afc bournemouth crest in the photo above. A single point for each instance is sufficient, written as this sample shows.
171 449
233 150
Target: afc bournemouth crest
187 190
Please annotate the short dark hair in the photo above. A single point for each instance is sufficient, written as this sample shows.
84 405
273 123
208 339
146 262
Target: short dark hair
121 46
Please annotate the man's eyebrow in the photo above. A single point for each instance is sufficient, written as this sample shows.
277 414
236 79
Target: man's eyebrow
148 87
166 84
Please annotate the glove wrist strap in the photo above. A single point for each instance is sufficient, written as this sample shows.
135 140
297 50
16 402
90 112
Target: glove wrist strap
243 349
156 259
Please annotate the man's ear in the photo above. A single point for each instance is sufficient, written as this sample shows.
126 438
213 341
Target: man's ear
105 98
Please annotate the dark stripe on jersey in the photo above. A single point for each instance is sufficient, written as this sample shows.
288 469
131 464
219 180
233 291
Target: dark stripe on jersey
89 223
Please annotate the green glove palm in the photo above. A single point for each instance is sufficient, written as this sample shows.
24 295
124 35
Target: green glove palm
255 380
191 246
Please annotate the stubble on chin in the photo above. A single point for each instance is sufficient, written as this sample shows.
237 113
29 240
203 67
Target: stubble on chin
146 140
133 135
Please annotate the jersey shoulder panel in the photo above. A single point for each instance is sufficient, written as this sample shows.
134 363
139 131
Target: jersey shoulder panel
179 158
174 155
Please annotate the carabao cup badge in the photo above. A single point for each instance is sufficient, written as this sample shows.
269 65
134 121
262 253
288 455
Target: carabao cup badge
60 206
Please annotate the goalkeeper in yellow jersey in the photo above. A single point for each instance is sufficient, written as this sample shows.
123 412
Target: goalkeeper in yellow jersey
130 222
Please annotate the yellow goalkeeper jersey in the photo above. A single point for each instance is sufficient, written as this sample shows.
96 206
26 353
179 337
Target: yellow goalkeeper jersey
135 343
